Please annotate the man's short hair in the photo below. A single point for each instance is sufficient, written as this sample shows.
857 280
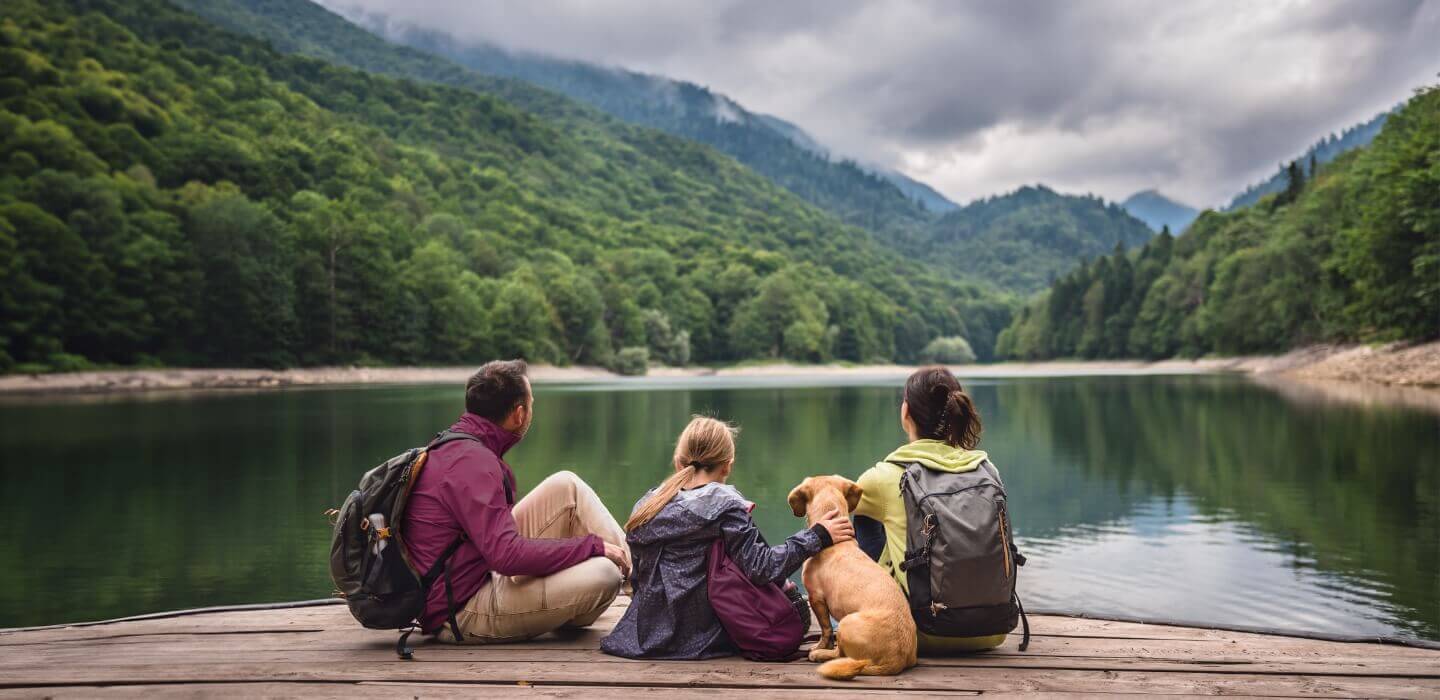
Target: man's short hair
496 389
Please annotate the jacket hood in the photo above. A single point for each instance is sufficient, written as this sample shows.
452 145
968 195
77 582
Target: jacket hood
937 455
690 514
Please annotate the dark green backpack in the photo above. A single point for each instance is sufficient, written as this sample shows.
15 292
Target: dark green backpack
960 556
370 565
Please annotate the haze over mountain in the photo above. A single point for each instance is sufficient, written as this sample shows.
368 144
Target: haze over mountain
1159 211
788 152
678 107
1322 151
1195 99
1349 254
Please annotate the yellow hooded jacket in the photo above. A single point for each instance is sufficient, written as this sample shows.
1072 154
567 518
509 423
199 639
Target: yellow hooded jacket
881 501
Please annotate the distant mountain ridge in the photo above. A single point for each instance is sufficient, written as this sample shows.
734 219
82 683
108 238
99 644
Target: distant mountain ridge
1159 211
931 199
875 198
1025 239
1057 238
1323 151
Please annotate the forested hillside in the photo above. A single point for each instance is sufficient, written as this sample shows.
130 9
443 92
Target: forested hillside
1352 253
1025 239
172 193
679 108
300 26
1323 151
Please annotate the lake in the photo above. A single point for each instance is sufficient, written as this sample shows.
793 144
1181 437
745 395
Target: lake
1204 499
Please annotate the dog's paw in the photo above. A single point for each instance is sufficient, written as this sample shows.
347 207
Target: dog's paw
819 655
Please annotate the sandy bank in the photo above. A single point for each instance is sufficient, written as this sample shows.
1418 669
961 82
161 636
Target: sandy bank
1415 366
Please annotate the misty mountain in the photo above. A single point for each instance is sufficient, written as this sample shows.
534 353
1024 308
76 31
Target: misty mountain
1159 211
875 198
1323 151
1059 231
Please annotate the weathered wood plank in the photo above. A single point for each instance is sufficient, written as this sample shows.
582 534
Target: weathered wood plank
722 676
583 646
320 651
425 690
335 618
244 651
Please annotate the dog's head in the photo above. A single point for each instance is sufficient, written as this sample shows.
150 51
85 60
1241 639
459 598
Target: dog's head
818 494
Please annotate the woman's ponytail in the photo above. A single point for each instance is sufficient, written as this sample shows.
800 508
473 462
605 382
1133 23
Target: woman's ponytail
941 409
962 427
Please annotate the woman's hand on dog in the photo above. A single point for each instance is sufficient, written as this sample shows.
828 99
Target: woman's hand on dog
838 525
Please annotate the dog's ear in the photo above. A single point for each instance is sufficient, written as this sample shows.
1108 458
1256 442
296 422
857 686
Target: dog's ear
853 492
799 498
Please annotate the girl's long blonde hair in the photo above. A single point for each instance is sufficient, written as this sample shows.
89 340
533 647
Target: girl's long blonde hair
706 444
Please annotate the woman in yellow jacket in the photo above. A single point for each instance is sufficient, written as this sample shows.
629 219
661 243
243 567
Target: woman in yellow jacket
944 428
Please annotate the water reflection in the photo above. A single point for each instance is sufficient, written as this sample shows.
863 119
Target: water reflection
1198 498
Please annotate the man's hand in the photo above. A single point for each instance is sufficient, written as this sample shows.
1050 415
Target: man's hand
839 526
620 557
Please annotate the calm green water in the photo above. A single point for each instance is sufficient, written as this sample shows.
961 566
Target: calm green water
1205 499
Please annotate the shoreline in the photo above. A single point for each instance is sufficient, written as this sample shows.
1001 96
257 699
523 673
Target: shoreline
1415 368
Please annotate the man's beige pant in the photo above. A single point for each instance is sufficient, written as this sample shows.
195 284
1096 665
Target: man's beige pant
515 608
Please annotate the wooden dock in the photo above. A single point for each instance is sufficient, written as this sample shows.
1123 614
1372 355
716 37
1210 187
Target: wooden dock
319 651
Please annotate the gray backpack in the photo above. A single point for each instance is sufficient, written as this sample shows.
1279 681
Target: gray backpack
960 556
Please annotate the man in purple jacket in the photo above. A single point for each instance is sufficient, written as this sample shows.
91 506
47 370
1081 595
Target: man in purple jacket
555 559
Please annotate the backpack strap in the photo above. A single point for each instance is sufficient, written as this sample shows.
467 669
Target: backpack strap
1024 622
442 566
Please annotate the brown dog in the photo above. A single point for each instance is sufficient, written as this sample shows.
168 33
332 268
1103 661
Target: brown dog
876 633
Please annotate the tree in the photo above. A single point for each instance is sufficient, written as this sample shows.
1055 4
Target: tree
1294 184
783 319
248 292
953 350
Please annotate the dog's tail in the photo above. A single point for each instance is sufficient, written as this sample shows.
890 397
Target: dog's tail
843 668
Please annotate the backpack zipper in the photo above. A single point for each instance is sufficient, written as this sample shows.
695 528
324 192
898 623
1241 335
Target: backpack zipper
927 496
1005 541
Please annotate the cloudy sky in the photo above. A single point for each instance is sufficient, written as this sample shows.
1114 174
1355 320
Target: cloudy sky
1195 97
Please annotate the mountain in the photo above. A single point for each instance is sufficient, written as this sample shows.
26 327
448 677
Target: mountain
1351 254
1322 151
870 197
922 193
174 193
914 189
303 27
1159 211
1025 239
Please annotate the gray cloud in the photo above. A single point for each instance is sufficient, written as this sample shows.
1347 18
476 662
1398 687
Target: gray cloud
1104 96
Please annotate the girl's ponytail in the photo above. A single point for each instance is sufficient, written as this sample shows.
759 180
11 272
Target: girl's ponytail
652 505
705 445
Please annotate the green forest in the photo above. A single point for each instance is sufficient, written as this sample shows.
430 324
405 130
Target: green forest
1026 239
306 193
171 193
677 108
1347 251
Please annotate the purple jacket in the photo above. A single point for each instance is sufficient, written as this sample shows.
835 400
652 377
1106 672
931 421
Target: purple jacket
460 489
